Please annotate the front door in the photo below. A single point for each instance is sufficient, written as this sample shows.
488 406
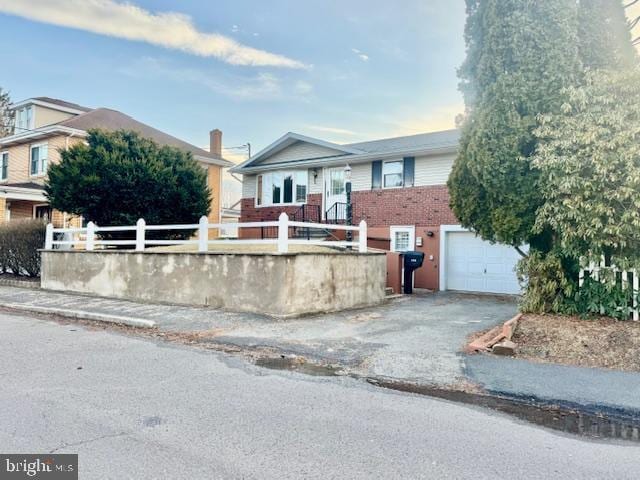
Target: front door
335 197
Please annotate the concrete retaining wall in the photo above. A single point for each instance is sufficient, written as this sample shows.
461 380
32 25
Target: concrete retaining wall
275 284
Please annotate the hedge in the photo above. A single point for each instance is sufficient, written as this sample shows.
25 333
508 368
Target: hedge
19 244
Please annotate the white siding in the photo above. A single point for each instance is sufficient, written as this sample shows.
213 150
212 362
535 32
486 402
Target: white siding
248 186
361 176
433 170
300 151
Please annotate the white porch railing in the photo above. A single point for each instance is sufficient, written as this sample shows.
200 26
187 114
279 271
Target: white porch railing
593 270
92 238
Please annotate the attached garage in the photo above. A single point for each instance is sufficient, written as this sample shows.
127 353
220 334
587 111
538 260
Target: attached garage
468 263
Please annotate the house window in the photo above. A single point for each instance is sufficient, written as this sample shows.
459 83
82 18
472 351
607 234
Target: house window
39 159
281 188
24 119
392 174
4 165
402 238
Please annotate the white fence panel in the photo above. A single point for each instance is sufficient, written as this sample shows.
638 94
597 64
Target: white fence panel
92 231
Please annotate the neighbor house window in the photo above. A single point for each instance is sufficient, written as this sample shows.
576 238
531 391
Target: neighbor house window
39 155
392 174
4 165
24 119
281 188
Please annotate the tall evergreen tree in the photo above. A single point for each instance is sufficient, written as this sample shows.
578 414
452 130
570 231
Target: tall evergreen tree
604 37
6 115
521 54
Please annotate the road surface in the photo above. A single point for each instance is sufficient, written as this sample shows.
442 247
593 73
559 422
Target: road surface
134 408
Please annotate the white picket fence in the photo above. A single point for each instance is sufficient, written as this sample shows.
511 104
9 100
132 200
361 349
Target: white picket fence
594 270
74 236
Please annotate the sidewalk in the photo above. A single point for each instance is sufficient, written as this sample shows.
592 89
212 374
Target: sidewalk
590 389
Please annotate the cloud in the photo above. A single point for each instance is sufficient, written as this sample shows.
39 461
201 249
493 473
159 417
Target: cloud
361 55
262 86
170 30
439 118
338 131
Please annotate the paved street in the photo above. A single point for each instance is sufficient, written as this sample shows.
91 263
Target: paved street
133 408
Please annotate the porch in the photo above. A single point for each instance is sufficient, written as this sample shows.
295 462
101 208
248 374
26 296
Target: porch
24 201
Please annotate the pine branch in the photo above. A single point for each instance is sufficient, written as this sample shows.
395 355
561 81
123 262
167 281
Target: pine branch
633 23
631 3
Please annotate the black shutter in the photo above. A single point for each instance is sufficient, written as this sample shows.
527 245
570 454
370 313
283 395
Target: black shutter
409 171
376 174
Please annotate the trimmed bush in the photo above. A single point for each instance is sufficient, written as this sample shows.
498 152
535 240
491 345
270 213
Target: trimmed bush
19 244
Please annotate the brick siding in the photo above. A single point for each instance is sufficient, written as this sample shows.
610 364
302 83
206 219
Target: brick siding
250 213
404 206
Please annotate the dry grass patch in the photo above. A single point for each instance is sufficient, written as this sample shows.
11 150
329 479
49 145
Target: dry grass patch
603 343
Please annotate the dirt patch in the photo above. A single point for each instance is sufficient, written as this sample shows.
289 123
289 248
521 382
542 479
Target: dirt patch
603 343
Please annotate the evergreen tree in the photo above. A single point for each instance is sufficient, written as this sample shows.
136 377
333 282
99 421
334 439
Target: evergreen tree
604 36
521 54
118 177
6 115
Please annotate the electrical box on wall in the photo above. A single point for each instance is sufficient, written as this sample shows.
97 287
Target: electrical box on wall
418 241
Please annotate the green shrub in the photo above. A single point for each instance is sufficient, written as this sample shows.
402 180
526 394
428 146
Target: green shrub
19 245
548 287
603 297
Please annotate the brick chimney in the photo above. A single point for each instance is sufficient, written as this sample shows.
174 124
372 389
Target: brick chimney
215 142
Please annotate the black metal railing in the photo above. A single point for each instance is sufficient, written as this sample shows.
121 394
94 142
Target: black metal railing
305 213
337 213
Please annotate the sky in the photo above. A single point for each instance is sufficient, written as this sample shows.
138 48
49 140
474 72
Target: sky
341 70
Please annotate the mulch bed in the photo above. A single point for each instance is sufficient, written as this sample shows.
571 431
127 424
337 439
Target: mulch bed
603 343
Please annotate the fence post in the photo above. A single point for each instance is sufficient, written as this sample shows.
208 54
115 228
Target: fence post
203 234
140 235
283 233
362 237
636 287
48 237
91 236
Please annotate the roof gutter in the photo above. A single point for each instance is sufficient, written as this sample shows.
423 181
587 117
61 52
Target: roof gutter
351 159
40 132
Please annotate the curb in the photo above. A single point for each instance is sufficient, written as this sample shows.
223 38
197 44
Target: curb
83 315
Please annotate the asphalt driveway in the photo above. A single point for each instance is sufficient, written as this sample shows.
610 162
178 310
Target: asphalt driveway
413 338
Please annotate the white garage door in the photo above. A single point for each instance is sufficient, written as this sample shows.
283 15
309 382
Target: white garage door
474 265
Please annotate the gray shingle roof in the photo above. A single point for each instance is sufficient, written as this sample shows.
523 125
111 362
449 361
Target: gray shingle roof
62 103
108 119
446 138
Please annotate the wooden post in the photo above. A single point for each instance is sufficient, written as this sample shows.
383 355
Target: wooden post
203 234
140 237
91 236
362 237
283 233
48 238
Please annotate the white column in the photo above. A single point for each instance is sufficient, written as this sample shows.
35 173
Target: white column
140 235
91 236
362 237
203 234
283 233
48 238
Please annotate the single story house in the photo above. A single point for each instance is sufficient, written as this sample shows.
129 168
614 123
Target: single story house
44 126
398 188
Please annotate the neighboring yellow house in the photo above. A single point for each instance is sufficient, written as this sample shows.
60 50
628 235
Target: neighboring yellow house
44 126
